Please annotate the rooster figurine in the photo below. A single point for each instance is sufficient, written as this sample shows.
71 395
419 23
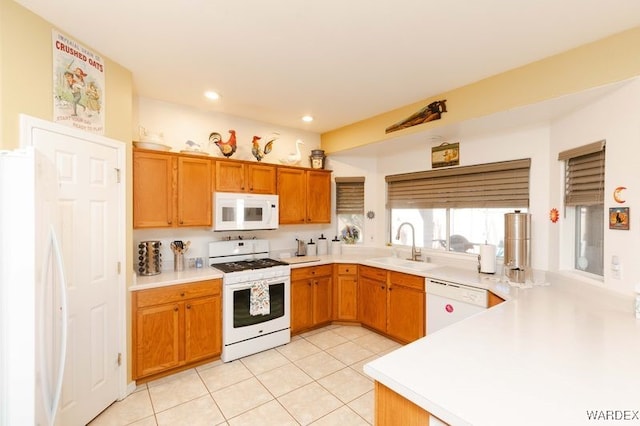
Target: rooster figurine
261 153
227 148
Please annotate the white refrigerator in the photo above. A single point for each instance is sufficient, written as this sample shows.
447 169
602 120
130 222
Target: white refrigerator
62 285
32 299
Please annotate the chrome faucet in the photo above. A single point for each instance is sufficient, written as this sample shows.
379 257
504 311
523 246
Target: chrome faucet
415 252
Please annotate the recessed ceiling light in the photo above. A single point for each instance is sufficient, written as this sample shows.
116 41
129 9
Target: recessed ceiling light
307 118
212 95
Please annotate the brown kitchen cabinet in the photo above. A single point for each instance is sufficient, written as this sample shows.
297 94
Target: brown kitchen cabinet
393 409
494 299
406 307
171 190
238 176
305 195
392 303
175 326
372 297
345 292
311 289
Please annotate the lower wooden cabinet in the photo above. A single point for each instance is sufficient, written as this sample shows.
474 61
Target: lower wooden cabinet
345 292
393 409
311 289
175 326
494 300
392 303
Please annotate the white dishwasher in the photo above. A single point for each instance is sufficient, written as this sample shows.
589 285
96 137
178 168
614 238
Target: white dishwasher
449 302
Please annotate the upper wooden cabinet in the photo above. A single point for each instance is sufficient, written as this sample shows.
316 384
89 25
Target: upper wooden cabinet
238 176
171 190
305 195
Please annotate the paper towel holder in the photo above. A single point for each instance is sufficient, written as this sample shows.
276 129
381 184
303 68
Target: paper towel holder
488 265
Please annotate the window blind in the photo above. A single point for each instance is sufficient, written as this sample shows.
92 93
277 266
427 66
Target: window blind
500 184
584 174
350 195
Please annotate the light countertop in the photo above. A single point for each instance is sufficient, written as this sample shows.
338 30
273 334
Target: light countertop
546 357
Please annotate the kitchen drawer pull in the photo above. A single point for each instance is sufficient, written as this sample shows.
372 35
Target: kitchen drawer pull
182 294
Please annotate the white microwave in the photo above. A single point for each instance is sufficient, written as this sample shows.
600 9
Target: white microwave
244 212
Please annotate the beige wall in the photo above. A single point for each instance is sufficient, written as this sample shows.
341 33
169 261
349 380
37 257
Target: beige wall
26 77
596 64
26 86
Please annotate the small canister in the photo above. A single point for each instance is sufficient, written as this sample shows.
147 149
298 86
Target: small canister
322 245
336 246
311 248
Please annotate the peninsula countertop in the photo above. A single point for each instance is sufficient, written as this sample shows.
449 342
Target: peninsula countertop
553 355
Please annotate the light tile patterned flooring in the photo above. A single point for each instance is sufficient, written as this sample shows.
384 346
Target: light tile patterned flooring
316 379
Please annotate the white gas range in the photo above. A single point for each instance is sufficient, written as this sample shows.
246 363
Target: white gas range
255 297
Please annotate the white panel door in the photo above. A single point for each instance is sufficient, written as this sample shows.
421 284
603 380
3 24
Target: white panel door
89 210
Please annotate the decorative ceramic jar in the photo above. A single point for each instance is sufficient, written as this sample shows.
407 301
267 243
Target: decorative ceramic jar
317 158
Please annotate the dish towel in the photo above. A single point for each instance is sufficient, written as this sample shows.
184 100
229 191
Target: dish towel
259 302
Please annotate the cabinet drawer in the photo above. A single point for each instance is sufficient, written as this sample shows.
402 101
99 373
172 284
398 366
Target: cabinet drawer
347 269
176 293
310 272
373 273
407 280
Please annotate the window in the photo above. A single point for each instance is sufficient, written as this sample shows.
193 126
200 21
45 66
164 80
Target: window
350 208
457 209
584 193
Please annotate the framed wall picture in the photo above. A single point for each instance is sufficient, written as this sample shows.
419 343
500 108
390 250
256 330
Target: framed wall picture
619 218
445 155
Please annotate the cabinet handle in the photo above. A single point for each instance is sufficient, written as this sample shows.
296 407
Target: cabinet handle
382 287
169 222
175 309
182 294
188 306
316 282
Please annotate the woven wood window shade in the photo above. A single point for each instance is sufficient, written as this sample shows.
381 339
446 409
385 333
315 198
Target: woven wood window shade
501 184
584 174
350 195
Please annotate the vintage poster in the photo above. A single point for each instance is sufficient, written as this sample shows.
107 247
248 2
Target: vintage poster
78 85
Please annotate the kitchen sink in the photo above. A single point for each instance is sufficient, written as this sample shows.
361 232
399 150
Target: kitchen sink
402 263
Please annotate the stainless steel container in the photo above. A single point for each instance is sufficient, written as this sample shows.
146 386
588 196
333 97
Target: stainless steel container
517 246
149 257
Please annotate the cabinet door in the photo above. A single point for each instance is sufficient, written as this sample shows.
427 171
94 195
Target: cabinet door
346 293
318 197
301 305
153 191
202 328
194 192
230 176
158 337
406 315
321 300
292 191
262 179
372 303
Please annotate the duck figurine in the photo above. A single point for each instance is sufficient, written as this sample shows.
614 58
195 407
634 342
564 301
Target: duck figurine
294 157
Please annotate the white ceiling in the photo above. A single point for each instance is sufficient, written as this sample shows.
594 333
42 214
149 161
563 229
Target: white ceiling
339 60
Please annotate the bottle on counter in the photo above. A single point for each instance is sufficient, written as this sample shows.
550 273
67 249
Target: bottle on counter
311 248
322 245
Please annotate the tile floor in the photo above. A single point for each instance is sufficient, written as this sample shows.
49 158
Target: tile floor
316 379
